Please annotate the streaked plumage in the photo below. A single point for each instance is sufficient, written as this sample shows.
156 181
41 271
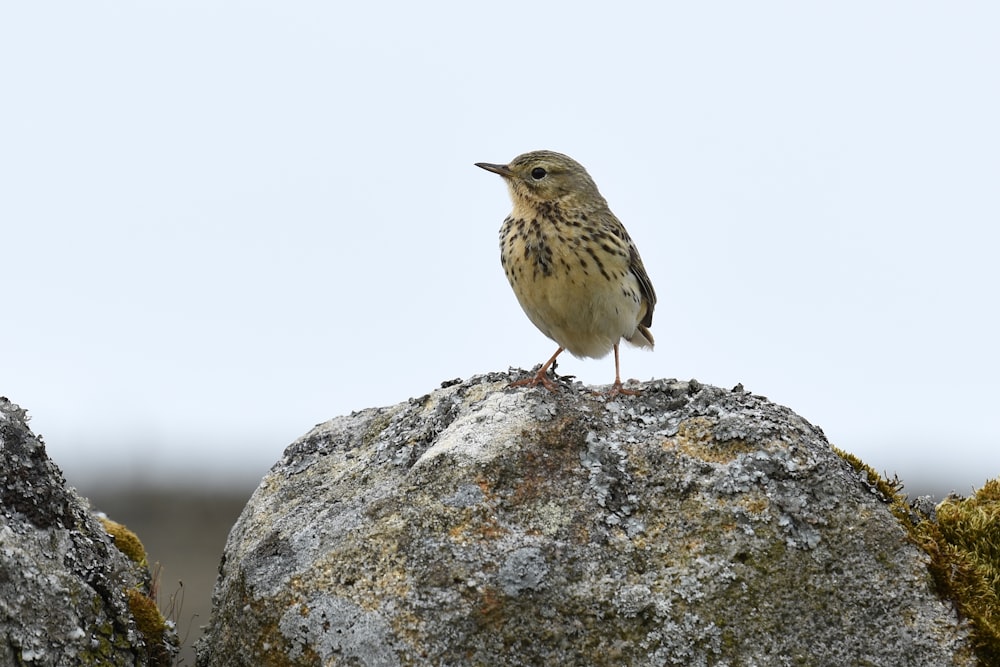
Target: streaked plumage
573 267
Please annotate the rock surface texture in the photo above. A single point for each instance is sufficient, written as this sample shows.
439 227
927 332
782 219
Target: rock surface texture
480 525
64 587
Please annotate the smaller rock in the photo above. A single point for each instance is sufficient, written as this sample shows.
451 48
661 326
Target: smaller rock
68 595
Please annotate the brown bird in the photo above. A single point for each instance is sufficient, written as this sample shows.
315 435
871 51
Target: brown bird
571 264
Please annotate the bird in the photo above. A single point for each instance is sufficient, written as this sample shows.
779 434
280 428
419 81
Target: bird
574 269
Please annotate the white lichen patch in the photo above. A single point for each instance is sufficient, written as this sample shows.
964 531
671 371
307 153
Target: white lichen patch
487 430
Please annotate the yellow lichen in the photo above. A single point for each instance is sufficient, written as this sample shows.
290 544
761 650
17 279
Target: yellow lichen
696 438
126 541
754 503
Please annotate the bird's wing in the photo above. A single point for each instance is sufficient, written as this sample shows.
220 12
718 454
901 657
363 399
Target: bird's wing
645 286
615 227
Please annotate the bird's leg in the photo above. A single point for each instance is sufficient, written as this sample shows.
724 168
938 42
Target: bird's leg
617 387
540 377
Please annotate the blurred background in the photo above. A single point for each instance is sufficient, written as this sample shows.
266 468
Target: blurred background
222 224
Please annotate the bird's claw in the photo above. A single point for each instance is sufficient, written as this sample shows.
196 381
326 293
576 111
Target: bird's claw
617 389
540 378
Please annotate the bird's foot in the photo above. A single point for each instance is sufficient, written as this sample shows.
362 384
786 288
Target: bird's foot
617 388
540 378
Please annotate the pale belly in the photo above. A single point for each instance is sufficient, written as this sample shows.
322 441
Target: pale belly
585 311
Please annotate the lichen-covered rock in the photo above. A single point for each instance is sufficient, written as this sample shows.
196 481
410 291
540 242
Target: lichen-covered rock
66 591
480 525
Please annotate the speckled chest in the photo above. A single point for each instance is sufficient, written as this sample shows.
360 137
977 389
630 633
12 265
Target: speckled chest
551 244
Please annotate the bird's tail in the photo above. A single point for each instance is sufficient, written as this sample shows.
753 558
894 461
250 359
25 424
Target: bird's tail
642 337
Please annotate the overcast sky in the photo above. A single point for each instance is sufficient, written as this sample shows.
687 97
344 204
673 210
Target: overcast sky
223 223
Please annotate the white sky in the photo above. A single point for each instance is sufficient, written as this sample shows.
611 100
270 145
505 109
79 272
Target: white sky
225 222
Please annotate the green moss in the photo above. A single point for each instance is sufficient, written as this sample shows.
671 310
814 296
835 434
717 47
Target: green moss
151 624
890 491
147 615
965 559
126 541
148 618
963 542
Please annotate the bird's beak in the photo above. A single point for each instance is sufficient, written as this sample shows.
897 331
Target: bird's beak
496 169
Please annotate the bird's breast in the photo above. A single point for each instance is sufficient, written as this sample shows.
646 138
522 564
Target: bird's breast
572 279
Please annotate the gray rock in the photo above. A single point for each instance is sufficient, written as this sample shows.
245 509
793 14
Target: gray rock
63 583
477 525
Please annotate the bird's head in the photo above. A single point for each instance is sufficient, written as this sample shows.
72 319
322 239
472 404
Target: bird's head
547 176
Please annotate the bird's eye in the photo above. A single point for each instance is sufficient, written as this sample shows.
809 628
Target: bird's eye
538 173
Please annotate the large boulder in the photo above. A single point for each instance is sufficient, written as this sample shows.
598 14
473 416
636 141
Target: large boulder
69 593
480 525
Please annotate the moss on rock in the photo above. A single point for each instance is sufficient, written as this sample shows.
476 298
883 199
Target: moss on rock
964 544
962 538
126 541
